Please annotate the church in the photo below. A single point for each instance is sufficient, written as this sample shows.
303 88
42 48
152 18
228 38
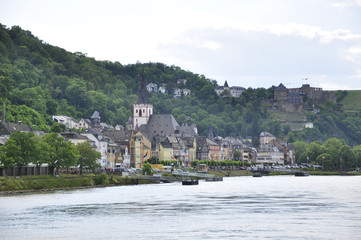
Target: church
160 135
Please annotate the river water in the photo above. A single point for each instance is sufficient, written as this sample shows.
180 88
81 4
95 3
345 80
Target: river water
274 207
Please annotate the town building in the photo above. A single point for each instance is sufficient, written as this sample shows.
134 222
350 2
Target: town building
233 91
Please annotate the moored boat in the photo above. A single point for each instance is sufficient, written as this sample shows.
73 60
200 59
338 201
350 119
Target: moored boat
189 181
301 174
214 179
257 174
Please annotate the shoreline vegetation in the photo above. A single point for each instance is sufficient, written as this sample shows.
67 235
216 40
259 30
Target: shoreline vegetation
49 183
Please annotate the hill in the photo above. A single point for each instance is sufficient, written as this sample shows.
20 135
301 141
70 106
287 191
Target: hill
352 101
39 80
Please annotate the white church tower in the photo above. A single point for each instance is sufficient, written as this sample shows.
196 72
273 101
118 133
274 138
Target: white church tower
142 109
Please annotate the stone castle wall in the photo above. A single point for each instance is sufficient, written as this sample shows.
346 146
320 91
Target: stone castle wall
292 99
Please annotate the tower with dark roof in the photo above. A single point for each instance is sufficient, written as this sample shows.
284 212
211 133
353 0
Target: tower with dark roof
95 119
142 110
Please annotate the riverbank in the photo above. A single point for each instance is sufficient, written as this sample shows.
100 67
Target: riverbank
236 173
45 183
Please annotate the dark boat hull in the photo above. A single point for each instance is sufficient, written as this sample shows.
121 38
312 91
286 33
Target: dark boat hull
214 179
190 182
301 174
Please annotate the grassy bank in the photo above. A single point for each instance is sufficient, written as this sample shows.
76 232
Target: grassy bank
311 172
233 173
352 101
65 181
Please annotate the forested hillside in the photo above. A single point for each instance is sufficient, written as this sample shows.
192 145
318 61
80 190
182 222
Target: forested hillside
38 80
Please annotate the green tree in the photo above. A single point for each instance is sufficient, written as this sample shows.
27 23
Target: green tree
87 157
43 152
147 169
62 154
10 154
300 147
237 155
27 142
347 158
58 128
286 129
357 152
325 161
275 128
6 85
314 149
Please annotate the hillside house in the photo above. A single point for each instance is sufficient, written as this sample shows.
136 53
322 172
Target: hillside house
234 91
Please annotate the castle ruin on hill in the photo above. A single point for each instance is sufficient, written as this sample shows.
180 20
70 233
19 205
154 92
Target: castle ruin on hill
303 98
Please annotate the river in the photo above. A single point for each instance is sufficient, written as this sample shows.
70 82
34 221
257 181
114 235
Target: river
273 207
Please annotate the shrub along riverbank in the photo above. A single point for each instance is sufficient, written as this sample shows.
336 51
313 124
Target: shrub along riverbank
24 184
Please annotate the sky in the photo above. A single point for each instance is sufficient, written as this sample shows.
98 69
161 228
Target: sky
249 43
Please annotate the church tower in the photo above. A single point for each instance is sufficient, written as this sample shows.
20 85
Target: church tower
142 109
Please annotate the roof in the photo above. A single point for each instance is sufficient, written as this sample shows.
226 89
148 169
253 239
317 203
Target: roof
159 125
188 141
266 134
8 128
187 130
130 120
119 136
280 87
73 135
211 142
96 115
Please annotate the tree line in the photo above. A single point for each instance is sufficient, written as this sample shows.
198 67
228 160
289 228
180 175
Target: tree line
333 154
23 148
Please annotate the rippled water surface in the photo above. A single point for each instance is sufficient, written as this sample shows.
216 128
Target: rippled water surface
277 207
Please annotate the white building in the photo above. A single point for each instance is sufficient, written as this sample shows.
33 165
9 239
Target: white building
266 137
152 87
69 122
234 91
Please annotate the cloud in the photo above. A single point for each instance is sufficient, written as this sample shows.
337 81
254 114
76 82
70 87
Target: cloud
353 54
265 55
302 30
346 4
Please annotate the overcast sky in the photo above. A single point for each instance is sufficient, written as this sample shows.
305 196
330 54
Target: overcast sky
250 43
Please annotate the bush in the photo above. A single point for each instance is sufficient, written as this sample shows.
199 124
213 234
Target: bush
147 169
101 179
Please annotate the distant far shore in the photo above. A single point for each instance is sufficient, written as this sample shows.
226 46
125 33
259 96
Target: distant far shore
34 184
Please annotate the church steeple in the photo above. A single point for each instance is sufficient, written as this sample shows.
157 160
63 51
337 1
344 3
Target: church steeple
143 96
142 109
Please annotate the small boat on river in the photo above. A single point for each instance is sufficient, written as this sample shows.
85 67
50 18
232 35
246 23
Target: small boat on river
214 179
301 174
257 174
189 181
